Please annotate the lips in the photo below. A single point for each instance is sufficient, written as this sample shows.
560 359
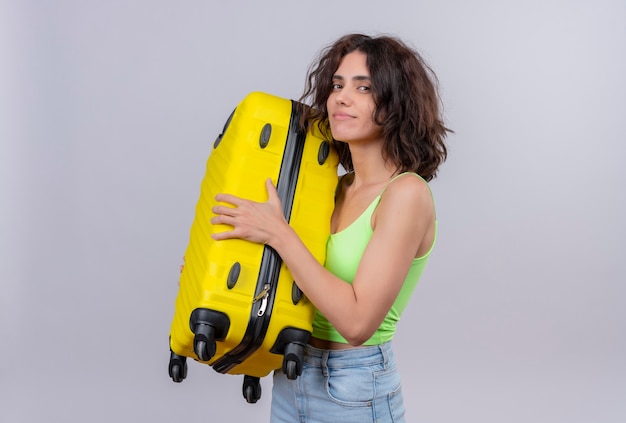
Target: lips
342 116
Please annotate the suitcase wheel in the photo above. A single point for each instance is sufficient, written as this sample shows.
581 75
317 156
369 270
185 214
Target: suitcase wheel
292 361
292 370
251 389
208 326
204 342
178 367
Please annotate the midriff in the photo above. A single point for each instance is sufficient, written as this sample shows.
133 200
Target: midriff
323 344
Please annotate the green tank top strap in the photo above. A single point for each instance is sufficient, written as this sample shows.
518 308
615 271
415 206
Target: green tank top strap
410 173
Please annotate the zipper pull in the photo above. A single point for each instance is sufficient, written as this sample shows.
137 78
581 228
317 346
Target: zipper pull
263 298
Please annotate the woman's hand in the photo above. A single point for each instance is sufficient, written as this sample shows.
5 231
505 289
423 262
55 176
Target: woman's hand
252 221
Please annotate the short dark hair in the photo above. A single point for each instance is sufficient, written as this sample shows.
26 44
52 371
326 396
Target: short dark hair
404 88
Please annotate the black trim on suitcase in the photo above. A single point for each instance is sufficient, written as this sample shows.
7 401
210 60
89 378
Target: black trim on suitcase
271 262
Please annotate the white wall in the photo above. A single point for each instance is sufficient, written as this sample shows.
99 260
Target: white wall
107 114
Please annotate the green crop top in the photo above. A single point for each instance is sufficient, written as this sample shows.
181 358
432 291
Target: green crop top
343 254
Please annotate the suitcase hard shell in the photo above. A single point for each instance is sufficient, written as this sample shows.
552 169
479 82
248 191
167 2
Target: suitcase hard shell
238 308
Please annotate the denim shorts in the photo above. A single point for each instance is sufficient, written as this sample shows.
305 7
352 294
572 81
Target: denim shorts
355 385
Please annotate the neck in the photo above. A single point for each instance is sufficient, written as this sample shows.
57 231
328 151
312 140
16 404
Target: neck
369 166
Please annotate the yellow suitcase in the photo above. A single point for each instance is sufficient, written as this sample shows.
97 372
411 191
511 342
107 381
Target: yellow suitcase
238 308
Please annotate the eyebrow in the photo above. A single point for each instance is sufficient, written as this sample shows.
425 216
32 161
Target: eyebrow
354 78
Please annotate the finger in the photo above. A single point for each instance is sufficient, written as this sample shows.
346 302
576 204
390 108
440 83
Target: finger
225 210
271 191
220 236
229 198
222 219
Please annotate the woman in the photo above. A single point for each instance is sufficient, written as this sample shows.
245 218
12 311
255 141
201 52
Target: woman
378 100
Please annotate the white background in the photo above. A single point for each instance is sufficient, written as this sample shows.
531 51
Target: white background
108 110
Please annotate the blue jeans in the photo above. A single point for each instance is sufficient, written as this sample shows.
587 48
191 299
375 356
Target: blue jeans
355 385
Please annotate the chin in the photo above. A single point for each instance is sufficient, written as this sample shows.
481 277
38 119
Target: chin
339 136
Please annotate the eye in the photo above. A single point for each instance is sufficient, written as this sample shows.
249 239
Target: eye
364 88
336 86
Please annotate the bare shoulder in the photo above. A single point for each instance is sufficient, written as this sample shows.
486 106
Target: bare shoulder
408 189
406 215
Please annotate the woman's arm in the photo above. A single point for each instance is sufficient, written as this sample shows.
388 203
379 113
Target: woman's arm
403 219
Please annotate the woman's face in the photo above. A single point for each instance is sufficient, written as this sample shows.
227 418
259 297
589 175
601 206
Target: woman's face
351 103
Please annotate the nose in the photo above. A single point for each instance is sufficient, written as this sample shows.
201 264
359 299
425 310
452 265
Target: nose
343 98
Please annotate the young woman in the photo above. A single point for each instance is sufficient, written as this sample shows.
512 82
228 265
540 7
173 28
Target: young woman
378 100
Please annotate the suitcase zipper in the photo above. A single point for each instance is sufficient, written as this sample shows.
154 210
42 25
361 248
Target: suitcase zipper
263 298
271 261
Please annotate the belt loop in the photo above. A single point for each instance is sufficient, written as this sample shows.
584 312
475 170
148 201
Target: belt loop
384 350
325 363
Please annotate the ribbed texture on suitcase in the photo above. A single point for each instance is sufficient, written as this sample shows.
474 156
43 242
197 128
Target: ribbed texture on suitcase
239 165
